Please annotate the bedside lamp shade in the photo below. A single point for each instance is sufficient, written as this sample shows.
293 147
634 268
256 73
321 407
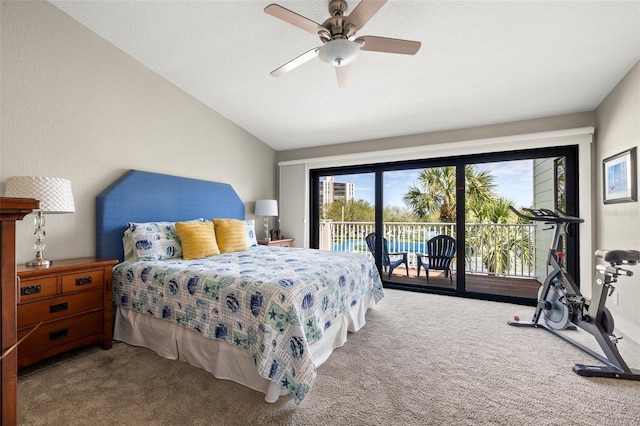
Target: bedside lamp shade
54 193
55 196
266 208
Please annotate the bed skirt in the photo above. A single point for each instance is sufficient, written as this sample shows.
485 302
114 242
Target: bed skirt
223 360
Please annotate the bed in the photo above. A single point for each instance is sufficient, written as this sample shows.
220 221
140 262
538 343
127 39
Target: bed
264 317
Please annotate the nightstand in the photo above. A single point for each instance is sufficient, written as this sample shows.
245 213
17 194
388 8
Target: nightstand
285 242
72 298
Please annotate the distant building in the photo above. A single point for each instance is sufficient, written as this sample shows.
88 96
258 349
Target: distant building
331 191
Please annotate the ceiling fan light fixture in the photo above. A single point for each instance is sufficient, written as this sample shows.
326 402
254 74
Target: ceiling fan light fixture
339 52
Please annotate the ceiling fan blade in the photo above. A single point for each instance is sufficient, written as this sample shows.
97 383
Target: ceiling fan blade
294 19
294 63
344 75
390 45
363 12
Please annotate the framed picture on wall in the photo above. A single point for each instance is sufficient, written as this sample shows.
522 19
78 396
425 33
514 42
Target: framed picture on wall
619 177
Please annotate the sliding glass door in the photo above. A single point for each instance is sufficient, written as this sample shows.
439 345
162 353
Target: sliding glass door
447 224
419 205
499 247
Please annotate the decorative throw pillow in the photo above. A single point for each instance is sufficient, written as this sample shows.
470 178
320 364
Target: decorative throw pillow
198 239
154 240
231 235
251 232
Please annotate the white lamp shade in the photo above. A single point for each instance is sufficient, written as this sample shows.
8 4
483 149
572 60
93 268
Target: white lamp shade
54 194
266 208
339 52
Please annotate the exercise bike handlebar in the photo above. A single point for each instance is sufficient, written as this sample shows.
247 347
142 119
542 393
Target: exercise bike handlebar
546 215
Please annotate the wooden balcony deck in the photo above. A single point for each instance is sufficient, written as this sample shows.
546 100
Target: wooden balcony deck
477 283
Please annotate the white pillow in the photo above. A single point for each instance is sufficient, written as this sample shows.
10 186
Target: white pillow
251 232
152 241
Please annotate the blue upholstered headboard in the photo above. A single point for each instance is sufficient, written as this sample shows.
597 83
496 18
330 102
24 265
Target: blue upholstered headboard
149 197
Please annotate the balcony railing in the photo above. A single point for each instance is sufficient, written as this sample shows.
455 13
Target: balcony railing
501 249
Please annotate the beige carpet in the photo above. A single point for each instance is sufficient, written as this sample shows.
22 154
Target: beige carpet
420 360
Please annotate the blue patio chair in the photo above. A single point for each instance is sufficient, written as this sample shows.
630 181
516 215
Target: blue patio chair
441 250
387 263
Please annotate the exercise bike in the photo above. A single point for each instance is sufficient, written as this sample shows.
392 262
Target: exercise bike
562 306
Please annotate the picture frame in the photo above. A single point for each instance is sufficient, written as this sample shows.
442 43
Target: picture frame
619 178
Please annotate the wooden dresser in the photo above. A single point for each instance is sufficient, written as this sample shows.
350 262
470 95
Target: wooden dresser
72 299
11 210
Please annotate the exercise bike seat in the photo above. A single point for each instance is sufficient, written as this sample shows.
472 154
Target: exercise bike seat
619 257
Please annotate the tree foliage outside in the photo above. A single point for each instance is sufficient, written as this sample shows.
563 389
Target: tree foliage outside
363 211
398 214
435 191
350 211
495 210
500 247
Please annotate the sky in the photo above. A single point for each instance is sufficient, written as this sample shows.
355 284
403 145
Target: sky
513 179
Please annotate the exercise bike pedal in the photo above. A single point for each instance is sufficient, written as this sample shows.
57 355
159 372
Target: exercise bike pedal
608 372
615 339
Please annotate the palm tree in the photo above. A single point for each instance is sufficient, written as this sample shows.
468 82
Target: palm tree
436 191
501 247
491 211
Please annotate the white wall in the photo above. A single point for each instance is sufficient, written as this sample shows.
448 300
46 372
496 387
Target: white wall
618 129
76 107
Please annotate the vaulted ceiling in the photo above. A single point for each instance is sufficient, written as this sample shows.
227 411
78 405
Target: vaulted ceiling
480 62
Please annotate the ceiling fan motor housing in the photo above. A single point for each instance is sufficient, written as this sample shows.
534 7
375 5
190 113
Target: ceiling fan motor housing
335 25
337 7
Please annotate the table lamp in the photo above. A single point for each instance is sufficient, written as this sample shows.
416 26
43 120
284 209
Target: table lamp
55 196
266 208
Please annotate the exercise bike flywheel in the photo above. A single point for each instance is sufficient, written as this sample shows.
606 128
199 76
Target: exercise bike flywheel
558 315
607 322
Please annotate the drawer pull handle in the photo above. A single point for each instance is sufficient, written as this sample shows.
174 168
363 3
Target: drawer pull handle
58 308
84 280
58 334
32 289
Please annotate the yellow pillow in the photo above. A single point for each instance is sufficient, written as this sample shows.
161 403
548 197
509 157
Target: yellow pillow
198 239
231 235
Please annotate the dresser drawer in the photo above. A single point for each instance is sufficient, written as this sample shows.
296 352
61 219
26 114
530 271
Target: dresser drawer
37 289
82 281
60 333
52 309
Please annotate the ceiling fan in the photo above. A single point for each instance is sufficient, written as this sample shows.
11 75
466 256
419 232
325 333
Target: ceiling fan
337 34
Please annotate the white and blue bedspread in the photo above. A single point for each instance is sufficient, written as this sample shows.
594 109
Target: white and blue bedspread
272 302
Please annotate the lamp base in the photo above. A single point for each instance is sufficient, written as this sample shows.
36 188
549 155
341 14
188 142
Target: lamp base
266 229
39 261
